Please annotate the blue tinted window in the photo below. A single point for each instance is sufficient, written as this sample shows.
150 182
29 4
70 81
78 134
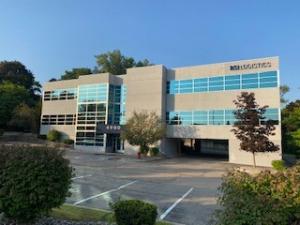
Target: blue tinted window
174 118
249 81
186 86
186 118
174 87
200 118
232 82
271 114
201 85
220 83
268 79
230 117
92 93
216 117
216 83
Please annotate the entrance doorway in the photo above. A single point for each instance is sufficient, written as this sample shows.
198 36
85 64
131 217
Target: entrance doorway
113 143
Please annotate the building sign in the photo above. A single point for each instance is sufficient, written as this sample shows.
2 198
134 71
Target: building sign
108 128
251 66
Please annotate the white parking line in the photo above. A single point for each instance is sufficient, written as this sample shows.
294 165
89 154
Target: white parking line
104 193
79 177
174 204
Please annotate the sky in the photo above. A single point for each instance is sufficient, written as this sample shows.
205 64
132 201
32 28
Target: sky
50 37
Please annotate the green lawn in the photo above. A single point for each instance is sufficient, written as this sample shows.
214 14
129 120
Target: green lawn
69 212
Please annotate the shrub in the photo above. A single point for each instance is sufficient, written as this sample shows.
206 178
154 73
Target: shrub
266 198
278 165
134 212
69 141
144 150
42 136
154 151
33 180
54 135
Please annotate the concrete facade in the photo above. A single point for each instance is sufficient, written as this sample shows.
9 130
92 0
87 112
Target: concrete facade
148 89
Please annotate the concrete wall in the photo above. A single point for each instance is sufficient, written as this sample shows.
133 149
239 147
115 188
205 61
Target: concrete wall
145 90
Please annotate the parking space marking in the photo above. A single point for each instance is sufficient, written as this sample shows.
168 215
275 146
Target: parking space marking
174 204
79 177
104 193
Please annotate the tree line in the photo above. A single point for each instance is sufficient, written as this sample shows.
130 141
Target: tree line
20 92
113 62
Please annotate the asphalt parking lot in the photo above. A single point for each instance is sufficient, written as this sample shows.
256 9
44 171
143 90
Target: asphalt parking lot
184 189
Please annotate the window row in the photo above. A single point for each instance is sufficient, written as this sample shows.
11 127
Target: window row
62 119
60 94
213 117
91 113
89 138
92 93
100 107
222 83
87 128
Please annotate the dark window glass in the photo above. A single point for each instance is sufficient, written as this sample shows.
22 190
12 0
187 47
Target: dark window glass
91 108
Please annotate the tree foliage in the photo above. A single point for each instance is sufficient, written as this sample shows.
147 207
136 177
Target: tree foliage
283 90
143 129
15 72
54 135
291 127
33 180
266 198
253 135
11 95
17 85
134 212
116 63
75 73
24 118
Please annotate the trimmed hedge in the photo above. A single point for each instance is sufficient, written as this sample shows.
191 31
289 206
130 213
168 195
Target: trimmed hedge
267 198
134 212
54 135
33 180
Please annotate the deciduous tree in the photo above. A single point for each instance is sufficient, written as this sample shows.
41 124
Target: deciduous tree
290 117
75 73
116 63
283 90
15 72
253 135
25 118
143 129
11 95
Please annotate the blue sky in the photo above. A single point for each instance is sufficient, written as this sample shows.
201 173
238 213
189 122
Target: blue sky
52 36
